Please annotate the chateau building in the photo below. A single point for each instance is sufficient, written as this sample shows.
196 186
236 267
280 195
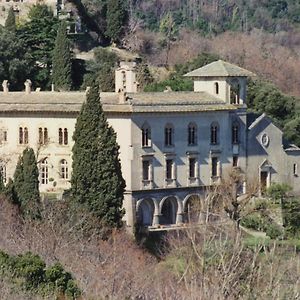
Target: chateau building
172 144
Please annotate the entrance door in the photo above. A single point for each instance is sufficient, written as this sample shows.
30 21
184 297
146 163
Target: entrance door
263 181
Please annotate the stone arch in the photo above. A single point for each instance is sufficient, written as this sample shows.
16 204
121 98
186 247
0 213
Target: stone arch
170 208
146 209
192 208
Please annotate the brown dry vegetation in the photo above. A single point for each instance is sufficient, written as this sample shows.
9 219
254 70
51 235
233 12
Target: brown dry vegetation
202 262
271 56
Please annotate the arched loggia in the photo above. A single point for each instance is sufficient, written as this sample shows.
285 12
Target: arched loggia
147 212
170 208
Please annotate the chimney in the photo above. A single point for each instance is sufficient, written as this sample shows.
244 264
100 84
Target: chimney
27 84
122 97
5 85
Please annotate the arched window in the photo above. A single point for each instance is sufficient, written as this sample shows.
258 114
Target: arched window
235 92
235 133
295 169
169 135
60 136
192 134
25 135
64 171
44 171
21 136
214 132
146 135
3 170
217 88
43 136
63 138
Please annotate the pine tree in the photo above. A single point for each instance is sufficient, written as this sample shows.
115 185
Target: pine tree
97 180
10 22
26 183
116 19
62 60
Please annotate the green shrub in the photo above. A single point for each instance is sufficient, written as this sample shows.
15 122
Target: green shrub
31 268
30 271
253 221
273 231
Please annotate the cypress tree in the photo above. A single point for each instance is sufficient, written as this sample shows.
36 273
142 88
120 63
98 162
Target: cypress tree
97 180
116 19
62 60
26 183
2 186
10 22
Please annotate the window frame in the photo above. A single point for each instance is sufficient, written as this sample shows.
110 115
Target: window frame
192 134
214 133
169 135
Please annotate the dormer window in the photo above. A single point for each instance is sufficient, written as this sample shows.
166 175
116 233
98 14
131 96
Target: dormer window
217 88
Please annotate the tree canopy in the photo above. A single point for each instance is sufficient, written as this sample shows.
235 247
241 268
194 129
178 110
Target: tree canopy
97 180
62 60
26 183
38 36
10 22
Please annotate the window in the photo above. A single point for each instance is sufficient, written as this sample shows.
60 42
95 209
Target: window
169 135
3 136
192 134
214 128
146 170
214 166
146 135
169 169
192 167
23 135
235 133
235 160
217 88
43 136
63 138
44 172
295 169
64 171
3 171
66 136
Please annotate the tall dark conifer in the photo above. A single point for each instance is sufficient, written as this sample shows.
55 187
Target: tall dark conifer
26 183
10 22
62 60
97 180
116 19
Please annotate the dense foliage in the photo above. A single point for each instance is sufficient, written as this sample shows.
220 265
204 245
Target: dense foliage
26 183
102 67
30 273
38 37
10 22
176 81
62 60
211 17
97 180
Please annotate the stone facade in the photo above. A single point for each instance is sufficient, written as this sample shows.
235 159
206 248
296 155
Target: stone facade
172 144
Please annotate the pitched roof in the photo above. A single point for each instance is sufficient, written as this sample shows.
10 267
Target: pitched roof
220 68
70 102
